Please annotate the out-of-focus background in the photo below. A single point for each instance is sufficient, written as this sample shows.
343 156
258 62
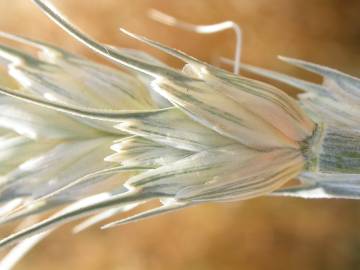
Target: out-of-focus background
263 233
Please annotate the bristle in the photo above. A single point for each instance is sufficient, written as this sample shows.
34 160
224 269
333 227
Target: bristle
19 251
79 209
171 207
109 53
289 80
305 191
178 54
101 217
111 116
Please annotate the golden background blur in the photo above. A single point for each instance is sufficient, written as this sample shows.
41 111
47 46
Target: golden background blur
263 233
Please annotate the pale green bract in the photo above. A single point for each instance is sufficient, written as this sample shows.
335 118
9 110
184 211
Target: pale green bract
94 141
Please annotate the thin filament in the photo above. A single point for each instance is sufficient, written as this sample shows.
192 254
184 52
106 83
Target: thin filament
203 29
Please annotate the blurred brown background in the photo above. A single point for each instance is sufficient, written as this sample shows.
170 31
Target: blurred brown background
264 233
